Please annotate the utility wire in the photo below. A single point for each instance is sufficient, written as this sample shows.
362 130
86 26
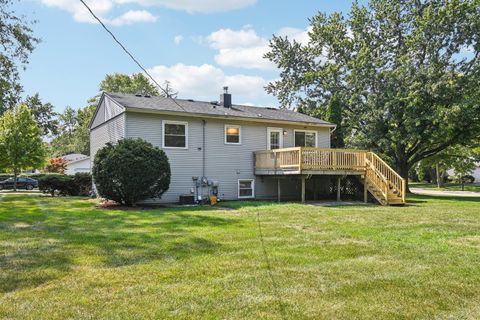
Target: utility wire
130 54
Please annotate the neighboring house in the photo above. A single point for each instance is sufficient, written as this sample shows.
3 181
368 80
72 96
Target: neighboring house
475 173
77 163
225 144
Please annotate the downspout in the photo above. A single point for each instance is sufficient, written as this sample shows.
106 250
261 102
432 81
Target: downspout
204 123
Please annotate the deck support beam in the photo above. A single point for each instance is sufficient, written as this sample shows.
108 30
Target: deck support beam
338 188
279 192
303 189
365 190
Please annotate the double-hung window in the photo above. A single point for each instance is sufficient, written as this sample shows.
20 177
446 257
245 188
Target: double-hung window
305 138
175 134
233 134
246 188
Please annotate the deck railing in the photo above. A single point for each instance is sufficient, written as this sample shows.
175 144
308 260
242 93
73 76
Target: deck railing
300 160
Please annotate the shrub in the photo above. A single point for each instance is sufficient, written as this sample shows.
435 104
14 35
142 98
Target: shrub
468 178
83 183
78 185
131 171
53 183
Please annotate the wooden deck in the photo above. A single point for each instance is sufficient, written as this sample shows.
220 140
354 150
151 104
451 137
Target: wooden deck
379 178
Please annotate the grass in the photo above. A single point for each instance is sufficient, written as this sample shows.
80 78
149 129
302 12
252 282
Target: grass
61 258
448 186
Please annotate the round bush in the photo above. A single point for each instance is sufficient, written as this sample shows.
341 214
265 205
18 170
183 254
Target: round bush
131 171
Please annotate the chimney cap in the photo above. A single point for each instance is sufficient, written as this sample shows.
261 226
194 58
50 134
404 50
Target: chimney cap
225 89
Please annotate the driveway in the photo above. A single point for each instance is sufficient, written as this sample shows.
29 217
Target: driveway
445 193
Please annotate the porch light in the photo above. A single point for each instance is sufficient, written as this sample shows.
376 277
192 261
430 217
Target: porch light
285 132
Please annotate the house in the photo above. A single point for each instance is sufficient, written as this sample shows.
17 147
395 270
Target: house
77 163
240 152
475 173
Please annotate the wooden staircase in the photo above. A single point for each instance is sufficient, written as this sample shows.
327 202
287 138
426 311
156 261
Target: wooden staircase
385 185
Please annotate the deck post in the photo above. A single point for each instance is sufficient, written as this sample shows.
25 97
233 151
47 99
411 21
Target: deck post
365 190
303 189
338 188
278 190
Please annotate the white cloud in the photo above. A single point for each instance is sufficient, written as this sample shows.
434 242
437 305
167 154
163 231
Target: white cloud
228 38
240 48
102 9
133 16
299 35
245 48
205 82
178 39
192 6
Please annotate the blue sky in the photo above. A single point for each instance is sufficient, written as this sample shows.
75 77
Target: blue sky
198 45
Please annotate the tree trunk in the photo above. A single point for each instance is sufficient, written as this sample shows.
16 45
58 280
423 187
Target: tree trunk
402 168
440 183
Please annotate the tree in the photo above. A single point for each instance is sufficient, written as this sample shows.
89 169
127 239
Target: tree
44 114
74 136
406 74
21 145
17 42
131 171
461 159
334 115
168 91
123 83
56 165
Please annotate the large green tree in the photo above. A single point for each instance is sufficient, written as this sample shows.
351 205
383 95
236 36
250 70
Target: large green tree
74 135
406 74
124 83
21 145
44 114
16 44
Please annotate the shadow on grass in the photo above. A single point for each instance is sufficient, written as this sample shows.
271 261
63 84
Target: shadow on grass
420 198
42 238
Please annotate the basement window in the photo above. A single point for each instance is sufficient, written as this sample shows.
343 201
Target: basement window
233 134
246 188
175 134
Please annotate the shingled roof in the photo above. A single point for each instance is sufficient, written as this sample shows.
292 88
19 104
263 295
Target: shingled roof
161 104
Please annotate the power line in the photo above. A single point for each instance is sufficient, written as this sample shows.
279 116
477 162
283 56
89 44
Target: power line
130 54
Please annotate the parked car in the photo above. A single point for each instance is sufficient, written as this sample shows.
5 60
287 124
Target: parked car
22 183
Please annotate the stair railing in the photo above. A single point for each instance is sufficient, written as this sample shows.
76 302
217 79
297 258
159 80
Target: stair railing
392 178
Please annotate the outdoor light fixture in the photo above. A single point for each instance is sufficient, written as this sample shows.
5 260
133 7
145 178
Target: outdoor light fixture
285 132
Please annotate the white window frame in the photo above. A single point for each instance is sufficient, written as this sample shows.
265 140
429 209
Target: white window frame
253 189
269 131
239 134
306 131
164 122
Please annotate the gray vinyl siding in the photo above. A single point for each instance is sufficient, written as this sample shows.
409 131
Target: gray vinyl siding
225 163
100 115
107 110
110 131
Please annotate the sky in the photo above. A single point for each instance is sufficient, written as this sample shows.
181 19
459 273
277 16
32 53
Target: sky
198 45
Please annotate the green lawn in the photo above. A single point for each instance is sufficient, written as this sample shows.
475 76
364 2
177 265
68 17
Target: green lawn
448 186
61 258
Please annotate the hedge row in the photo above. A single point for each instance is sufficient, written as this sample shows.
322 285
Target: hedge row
79 184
